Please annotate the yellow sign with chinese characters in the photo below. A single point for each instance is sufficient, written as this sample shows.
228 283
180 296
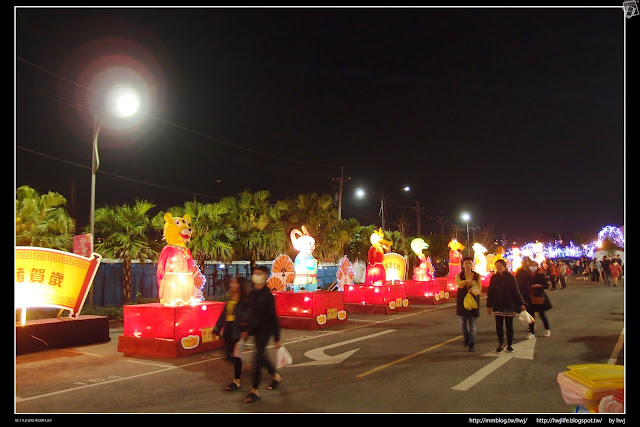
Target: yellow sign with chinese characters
394 265
51 278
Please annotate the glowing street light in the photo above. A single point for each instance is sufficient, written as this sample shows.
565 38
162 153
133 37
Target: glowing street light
360 193
466 217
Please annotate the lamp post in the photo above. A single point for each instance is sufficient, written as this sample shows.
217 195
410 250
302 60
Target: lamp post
361 193
123 102
466 217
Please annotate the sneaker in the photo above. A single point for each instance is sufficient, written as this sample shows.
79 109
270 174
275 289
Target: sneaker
499 349
547 333
530 336
509 349
471 348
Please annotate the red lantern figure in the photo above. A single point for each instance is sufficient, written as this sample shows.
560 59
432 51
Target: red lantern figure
179 278
455 257
376 274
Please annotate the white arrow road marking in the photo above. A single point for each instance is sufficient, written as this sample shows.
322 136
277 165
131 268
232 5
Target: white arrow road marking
521 350
320 358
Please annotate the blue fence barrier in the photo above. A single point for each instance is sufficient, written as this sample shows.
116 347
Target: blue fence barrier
109 280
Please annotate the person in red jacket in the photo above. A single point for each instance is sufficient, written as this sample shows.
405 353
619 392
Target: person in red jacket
614 270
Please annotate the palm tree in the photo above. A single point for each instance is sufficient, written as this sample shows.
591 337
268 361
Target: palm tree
259 232
42 221
318 215
211 238
125 232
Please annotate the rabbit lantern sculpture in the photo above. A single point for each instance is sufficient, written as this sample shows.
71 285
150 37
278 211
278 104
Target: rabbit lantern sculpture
305 265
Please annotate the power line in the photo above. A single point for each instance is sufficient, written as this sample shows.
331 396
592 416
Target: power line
183 128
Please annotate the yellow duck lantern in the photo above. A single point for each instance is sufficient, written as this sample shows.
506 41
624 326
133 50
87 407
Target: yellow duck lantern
179 278
425 271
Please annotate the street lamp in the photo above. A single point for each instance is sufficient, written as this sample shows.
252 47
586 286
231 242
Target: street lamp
466 217
122 102
361 193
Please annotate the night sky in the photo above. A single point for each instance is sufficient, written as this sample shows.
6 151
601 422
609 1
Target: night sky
516 115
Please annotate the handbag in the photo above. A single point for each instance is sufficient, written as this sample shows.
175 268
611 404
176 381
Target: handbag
537 295
469 302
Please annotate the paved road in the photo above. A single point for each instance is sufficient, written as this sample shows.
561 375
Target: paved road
411 362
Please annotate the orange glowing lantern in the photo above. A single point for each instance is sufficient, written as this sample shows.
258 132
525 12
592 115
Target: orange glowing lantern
179 278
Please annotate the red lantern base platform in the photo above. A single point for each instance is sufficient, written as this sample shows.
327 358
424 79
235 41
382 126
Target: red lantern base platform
60 332
310 310
435 291
385 299
161 331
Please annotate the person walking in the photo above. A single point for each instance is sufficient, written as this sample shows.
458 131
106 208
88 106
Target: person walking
264 324
468 281
552 274
503 296
614 270
606 275
563 274
595 271
538 299
234 323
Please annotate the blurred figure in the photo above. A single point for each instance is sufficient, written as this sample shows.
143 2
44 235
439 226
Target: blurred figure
234 323
615 270
563 273
264 323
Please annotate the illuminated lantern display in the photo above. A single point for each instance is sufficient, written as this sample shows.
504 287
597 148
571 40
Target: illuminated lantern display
345 273
282 273
56 279
480 261
376 295
425 270
376 275
425 288
394 266
179 278
455 257
538 254
516 259
305 265
491 262
182 323
51 278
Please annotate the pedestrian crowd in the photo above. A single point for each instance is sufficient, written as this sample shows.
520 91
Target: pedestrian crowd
510 294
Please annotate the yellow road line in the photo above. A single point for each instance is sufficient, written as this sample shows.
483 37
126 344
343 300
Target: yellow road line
433 347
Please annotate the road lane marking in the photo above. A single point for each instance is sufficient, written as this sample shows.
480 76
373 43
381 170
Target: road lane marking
521 350
613 359
433 347
396 317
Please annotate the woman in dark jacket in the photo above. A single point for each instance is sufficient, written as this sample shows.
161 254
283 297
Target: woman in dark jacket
234 322
503 296
538 299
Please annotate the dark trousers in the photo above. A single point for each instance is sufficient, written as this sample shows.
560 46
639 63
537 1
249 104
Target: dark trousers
237 362
508 323
261 359
532 311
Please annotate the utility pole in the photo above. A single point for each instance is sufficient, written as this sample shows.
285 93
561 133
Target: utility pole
417 208
341 180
